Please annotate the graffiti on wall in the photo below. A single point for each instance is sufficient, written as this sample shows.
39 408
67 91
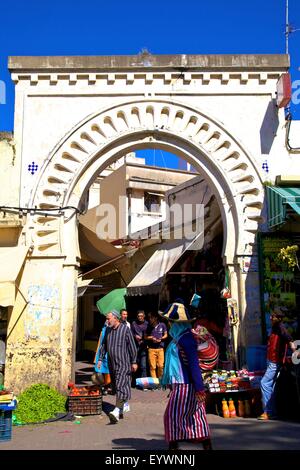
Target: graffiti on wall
42 315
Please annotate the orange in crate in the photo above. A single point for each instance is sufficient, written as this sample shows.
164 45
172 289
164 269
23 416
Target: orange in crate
85 400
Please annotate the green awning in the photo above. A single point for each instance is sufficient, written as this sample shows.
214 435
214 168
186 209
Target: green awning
281 201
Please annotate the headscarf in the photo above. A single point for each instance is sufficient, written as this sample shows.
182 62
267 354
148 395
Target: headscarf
177 329
172 368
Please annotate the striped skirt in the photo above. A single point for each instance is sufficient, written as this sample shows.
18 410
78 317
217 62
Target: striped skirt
185 418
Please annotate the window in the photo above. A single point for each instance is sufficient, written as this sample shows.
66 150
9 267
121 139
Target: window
152 202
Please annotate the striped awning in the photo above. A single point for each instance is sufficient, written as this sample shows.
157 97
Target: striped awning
282 202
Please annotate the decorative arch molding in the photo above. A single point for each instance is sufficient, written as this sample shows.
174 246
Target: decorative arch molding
105 136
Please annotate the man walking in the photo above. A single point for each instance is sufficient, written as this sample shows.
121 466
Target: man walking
155 335
138 329
120 346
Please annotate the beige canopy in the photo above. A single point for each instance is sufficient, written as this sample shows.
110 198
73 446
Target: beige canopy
11 261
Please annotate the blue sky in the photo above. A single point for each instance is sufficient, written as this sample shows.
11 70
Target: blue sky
73 27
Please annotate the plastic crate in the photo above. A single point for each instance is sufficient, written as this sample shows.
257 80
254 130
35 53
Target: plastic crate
6 410
5 425
85 404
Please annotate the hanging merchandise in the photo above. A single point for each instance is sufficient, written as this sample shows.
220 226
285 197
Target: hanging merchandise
195 300
225 293
207 348
232 312
233 320
279 280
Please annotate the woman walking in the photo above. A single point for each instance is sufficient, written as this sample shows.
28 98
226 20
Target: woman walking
104 370
185 415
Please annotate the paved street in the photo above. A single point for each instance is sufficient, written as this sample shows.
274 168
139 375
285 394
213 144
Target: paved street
142 429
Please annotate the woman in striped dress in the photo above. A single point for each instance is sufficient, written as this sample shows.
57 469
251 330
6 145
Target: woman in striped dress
185 415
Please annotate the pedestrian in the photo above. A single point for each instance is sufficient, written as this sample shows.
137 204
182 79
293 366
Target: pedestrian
278 342
124 316
119 344
2 359
155 335
185 416
139 328
104 370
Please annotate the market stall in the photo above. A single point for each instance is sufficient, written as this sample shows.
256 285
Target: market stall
239 389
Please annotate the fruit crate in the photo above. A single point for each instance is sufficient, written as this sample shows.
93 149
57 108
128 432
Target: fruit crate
5 425
85 404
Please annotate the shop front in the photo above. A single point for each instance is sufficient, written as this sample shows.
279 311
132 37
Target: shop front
280 282
279 255
176 272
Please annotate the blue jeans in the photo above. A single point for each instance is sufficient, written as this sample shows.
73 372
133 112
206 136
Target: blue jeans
142 362
267 387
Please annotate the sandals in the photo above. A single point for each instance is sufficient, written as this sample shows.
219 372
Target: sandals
266 417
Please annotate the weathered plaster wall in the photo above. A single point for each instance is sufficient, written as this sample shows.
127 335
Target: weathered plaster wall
35 327
9 170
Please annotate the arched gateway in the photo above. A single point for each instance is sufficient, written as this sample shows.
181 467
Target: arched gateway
107 135
41 344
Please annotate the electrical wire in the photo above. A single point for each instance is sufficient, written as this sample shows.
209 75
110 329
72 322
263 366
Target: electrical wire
36 210
287 135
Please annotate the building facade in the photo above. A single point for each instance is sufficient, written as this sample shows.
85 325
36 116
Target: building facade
75 116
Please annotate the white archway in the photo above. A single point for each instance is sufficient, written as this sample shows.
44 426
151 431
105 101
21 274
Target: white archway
178 128
67 174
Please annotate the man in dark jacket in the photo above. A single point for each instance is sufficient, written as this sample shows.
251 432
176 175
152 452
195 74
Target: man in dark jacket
139 328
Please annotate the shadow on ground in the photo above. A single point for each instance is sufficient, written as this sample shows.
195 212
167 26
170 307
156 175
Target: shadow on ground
139 444
245 434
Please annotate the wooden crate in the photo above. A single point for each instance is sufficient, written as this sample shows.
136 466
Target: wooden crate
85 404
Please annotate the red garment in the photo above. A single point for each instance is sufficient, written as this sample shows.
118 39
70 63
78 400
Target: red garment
207 348
278 340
